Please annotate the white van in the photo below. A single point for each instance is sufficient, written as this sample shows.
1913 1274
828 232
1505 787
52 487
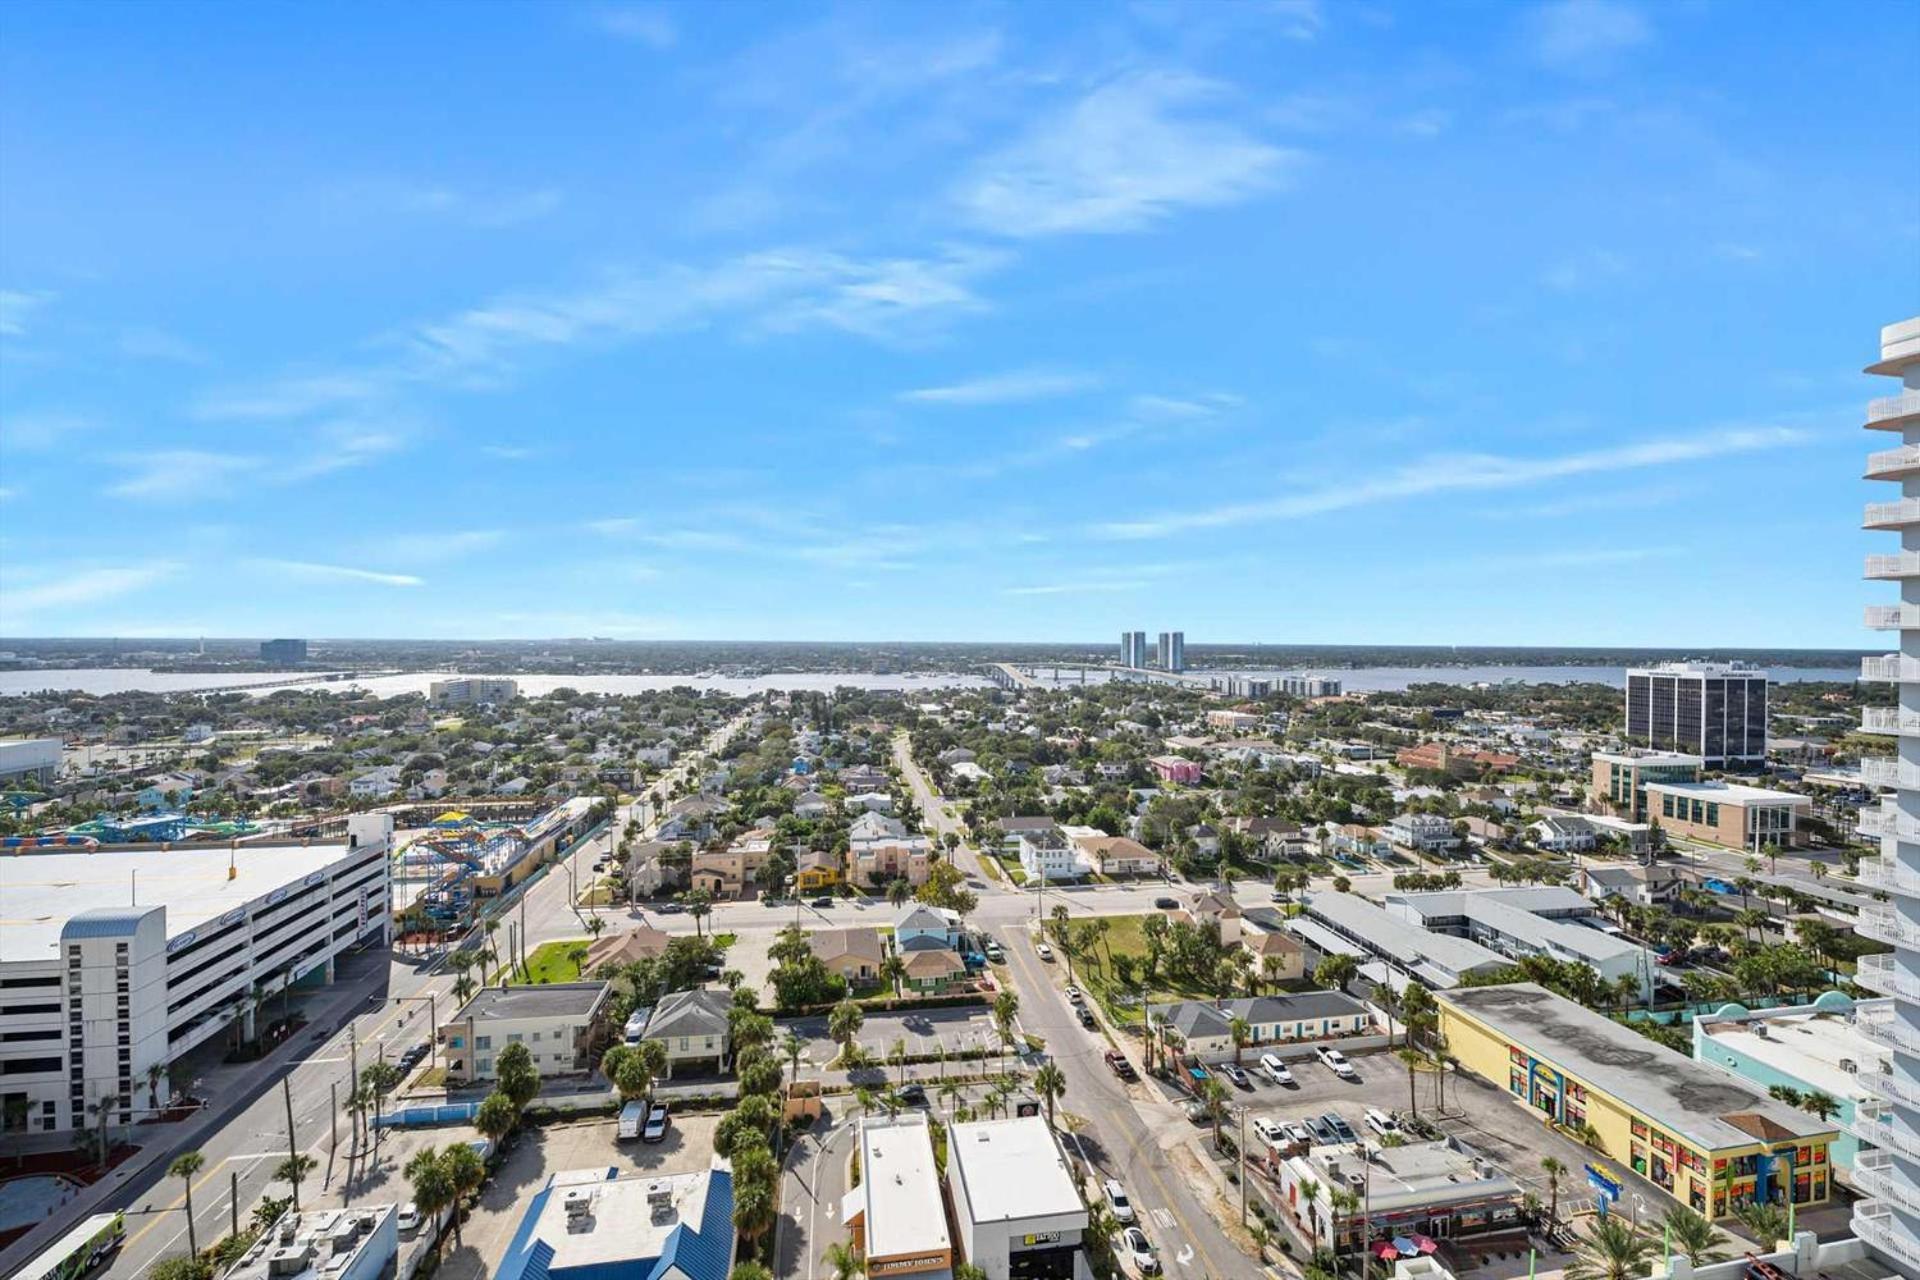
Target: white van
1380 1122
632 1117
636 1027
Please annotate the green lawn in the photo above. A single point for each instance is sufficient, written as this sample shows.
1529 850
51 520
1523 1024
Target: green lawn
551 961
1127 937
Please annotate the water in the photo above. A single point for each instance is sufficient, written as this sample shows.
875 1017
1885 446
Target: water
104 680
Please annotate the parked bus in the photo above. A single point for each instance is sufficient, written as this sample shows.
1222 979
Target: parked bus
78 1252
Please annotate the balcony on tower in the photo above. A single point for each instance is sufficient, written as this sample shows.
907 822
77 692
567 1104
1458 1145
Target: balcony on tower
1893 413
1891 667
1875 1222
1876 1175
1892 617
1886 924
1905 564
1887 875
1890 720
1892 515
1894 464
1882 974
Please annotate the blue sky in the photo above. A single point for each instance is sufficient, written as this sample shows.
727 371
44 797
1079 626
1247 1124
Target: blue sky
1282 321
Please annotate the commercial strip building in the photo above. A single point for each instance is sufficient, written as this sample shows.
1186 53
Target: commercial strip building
1204 1027
1703 1136
32 761
1018 1212
1816 1048
597 1224
1388 951
113 963
559 1022
1888 1220
1716 710
1727 813
1544 921
1442 1189
467 691
897 1215
325 1244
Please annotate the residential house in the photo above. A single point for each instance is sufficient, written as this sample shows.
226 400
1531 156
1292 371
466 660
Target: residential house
1215 907
169 791
429 786
1563 833
919 926
967 771
956 755
642 942
693 1027
1424 832
810 804
1206 840
855 954
1489 797
1288 956
816 870
1644 886
872 864
1011 828
1175 769
871 802
1357 840
1047 855
875 827
726 873
861 778
933 970
559 1022
1271 839
1117 855
1112 770
1233 721
651 869
1441 757
1204 1027
375 784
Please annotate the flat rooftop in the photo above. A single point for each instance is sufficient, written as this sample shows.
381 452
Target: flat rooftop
623 1221
1390 936
1012 1170
1414 1175
1807 1045
40 892
328 1240
899 1190
1514 913
1708 1107
544 1000
1729 793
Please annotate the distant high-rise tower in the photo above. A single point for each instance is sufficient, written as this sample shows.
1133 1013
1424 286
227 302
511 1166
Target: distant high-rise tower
283 653
1173 650
1714 710
1133 649
1888 1173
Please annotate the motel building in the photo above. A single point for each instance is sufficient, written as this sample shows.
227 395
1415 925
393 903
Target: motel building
897 1215
1701 1135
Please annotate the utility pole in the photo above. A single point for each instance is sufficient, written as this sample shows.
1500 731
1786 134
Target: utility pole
1243 1166
233 1198
293 1149
333 1120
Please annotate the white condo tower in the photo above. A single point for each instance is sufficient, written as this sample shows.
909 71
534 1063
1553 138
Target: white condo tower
1888 1176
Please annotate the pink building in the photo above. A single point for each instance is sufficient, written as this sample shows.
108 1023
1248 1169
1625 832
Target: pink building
1176 769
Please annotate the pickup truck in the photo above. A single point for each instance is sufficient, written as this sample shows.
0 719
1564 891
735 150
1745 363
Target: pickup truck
1118 1064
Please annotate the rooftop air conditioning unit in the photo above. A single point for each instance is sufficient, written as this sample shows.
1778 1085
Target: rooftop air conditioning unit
289 1227
578 1202
289 1261
1760 1030
1849 1066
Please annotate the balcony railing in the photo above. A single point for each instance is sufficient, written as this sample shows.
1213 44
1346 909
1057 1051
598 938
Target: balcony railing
1892 666
1875 1222
1887 925
1880 973
1891 464
1874 1122
1892 515
1904 565
1888 820
1893 1086
1886 412
1884 771
1889 877
1892 617
1890 720
1876 1175
1882 1024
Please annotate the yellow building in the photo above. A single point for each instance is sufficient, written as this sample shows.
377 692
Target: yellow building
1702 1135
817 871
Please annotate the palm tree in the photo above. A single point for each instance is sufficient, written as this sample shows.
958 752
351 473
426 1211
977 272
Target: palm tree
1784 1093
893 972
1820 1104
1050 1083
1413 1058
793 1046
1613 1249
1693 1237
950 1093
1214 1094
184 1166
843 1024
1006 1006
103 1108
898 891
843 1261
1242 1031
292 1171
1342 1203
1767 1222
1310 1193
1554 1168
749 1270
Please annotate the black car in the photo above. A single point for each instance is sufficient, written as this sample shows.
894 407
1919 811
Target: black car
1086 1017
821 903
1166 904
914 1095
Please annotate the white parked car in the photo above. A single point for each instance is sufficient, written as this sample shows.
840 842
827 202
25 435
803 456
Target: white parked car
1275 1070
1270 1130
1134 1247
1045 951
1380 1122
408 1219
1337 1063
1116 1196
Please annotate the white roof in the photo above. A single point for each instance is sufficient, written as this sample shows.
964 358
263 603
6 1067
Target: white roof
1806 1044
899 1191
1730 793
40 892
1012 1170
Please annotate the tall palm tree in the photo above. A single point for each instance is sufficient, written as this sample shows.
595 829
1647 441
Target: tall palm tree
1050 1083
1693 1237
843 1261
1555 1169
1612 1249
1242 1031
793 1046
184 1166
1342 1204
951 1092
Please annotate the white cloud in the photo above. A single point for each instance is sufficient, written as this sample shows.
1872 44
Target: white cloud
1176 408
37 432
433 548
1429 123
1584 35
643 24
157 344
16 306
1123 157
489 211
1458 473
1734 252
1078 588
1297 19
509 452
1004 388
83 587
338 573
614 525
341 446
176 474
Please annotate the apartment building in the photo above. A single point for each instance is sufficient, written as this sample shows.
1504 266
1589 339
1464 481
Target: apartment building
1133 649
1173 650
469 690
558 1023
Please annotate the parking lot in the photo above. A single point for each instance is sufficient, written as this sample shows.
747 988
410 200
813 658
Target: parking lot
925 1031
536 1154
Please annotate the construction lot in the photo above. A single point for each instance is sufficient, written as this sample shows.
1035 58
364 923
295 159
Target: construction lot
535 1154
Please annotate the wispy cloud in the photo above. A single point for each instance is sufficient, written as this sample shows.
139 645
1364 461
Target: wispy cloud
1584 270
338 573
1584 503
1125 156
37 431
1457 473
509 452
487 210
165 475
80 587
1734 252
341 446
1565 558
1584 35
1297 19
1089 587
642 24
1005 388
158 344
614 526
16 309
1428 123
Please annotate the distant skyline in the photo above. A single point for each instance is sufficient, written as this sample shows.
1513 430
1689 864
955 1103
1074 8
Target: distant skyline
1294 322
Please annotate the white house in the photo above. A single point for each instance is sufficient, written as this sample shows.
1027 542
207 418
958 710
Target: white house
1426 832
1048 855
375 784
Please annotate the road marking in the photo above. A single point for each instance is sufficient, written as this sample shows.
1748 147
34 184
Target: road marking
1164 1218
1184 1257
